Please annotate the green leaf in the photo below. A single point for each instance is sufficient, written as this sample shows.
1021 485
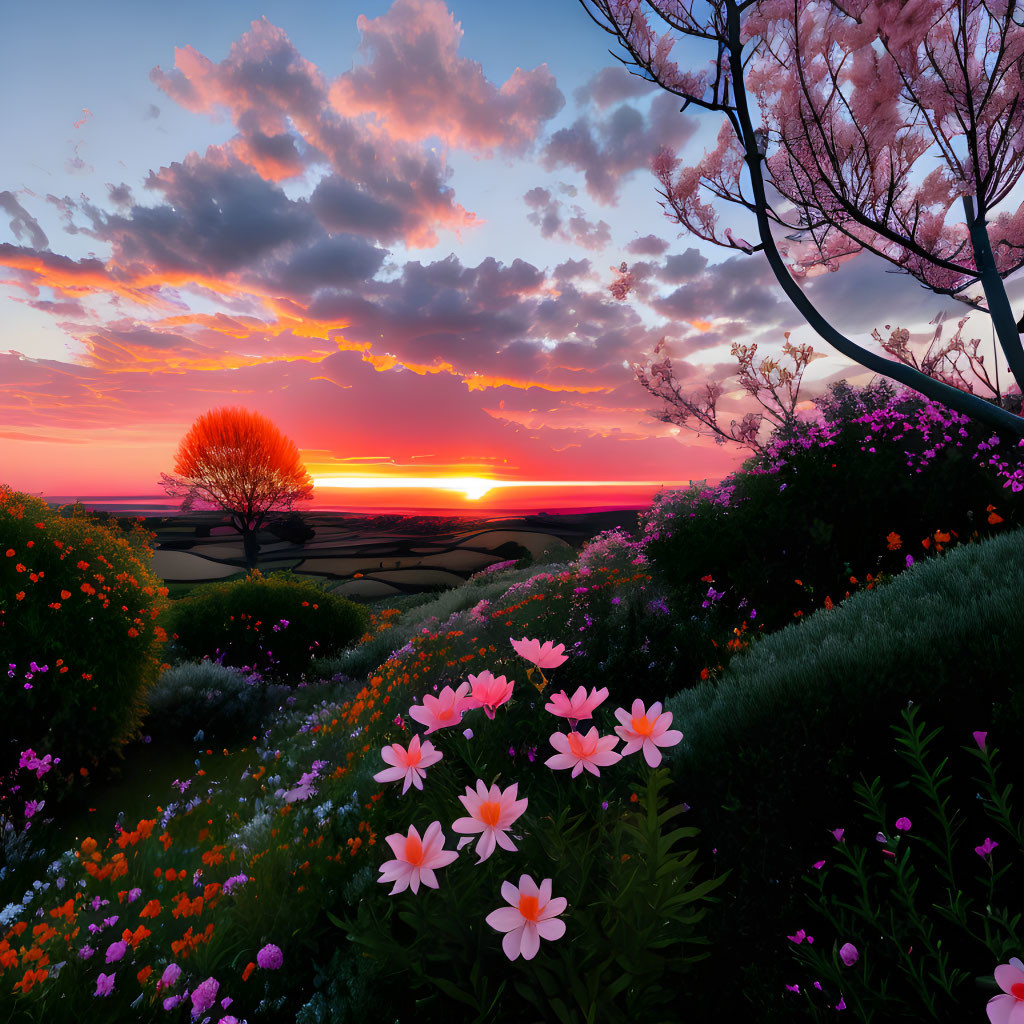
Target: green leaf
453 991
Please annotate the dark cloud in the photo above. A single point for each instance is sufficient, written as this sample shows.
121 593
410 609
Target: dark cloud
120 195
610 85
607 149
648 245
25 227
572 268
152 112
574 227
683 266
329 262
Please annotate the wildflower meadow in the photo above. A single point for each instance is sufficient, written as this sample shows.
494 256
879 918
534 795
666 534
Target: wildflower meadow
758 760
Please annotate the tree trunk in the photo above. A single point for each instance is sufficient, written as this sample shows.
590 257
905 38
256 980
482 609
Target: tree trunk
251 546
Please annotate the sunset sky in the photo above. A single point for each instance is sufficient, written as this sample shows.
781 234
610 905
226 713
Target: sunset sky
388 225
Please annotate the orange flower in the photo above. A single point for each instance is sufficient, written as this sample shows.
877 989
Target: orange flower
895 542
249 968
151 909
144 974
993 518
65 594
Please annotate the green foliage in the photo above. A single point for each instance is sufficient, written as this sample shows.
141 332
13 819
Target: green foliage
929 915
238 619
79 601
223 702
776 738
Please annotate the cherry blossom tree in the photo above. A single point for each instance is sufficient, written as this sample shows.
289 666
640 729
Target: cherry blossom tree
853 97
238 461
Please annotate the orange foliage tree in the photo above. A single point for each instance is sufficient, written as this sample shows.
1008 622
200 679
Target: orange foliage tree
238 461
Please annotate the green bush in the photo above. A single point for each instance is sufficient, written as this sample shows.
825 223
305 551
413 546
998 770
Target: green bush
276 624
777 739
225 703
78 630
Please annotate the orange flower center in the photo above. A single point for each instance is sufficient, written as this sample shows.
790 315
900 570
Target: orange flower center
1017 990
413 851
528 907
413 757
444 714
642 727
577 746
490 812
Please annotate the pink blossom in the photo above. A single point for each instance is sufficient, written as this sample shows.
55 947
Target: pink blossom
416 859
104 985
979 738
531 916
800 936
492 813
115 951
646 730
489 692
443 710
578 752
848 954
204 996
171 974
579 705
1008 1007
408 764
546 656
986 847
903 824
270 957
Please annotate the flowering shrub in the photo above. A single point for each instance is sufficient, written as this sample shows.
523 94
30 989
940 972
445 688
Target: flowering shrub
911 909
277 624
79 631
793 530
611 879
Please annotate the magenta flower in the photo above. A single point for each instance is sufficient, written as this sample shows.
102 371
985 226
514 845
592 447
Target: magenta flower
546 656
531 916
416 859
492 813
270 957
488 692
838 834
579 705
172 972
646 731
443 710
205 995
578 752
408 764
903 824
848 954
979 738
104 985
986 847
1008 1007
115 951
800 936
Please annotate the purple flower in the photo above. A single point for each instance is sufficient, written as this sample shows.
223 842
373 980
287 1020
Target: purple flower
172 972
270 957
903 824
171 1002
838 833
115 951
979 738
104 985
204 996
86 951
800 936
848 954
234 882
986 847
134 894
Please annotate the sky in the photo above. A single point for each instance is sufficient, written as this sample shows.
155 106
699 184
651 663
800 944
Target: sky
391 228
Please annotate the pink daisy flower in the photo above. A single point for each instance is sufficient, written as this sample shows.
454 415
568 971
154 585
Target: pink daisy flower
408 764
646 730
578 752
1008 1007
488 692
532 916
416 859
492 813
546 656
443 710
578 706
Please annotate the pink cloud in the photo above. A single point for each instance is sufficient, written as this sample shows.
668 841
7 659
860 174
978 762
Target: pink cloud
415 82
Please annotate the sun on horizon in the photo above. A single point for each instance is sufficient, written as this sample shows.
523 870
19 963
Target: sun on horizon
472 487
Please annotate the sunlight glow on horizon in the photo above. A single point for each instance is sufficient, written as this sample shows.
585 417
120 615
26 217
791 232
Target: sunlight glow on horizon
473 487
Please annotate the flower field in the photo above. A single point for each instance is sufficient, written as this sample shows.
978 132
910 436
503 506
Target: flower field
551 806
